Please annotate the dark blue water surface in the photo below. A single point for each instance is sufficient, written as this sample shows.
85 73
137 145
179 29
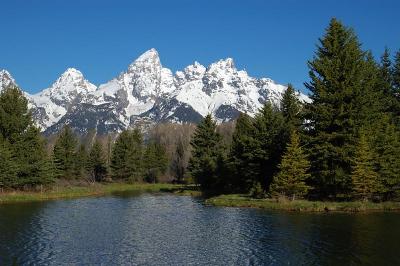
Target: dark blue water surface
165 229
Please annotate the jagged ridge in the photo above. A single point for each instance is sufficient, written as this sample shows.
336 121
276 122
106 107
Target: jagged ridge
149 93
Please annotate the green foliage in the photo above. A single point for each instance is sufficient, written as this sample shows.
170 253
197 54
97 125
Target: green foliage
291 108
178 164
364 178
396 88
269 143
14 115
396 75
240 159
34 165
293 171
257 191
126 158
22 149
8 166
96 162
206 154
344 99
386 145
385 72
155 162
81 160
64 153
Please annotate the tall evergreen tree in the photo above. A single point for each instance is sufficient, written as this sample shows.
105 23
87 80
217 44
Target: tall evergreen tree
343 92
396 75
241 158
293 171
386 145
178 163
386 71
269 144
127 154
291 108
64 153
206 154
34 167
80 164
364 178
15 117
155 162
396 87
29 165
8 166
96 163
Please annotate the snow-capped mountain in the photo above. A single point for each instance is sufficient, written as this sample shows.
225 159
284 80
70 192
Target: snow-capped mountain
51 104
149 93
6 79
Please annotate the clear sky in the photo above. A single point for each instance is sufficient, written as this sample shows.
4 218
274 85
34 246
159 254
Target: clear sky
40 39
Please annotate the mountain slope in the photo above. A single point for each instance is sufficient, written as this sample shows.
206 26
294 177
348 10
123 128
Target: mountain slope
148 93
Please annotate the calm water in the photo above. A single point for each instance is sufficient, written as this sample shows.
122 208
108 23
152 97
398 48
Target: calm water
175 230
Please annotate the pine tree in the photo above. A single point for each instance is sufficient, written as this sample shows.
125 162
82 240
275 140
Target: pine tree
127 154
34 166
206 154
81 158
64 153
155 162
293 171
269 144
8 167
364 178
386 147
15 117
96 163
343 85
291 110
386 72
178 164
396 75
240 156
109 149
21 143
396 88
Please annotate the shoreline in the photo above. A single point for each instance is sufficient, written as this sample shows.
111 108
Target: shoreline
76 191
244 201
229 200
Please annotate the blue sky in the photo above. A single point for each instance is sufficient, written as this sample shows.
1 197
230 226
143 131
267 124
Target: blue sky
40 39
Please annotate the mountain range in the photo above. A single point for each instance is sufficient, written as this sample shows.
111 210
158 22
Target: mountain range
148 93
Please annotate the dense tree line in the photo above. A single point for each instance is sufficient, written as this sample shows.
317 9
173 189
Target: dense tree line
26 163
344 144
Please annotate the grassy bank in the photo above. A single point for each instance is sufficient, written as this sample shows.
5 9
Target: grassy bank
65 192
301 205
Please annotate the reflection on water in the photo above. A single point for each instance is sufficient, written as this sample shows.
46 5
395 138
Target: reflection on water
176 230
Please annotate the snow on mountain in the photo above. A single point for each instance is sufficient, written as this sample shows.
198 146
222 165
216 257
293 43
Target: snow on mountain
6 79
149 93
51 104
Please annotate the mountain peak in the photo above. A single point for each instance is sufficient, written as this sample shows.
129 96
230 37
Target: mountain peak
150 57
72 72
226 64
70 76
5 79
149 53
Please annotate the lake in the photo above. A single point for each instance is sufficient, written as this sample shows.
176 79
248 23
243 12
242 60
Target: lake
165 229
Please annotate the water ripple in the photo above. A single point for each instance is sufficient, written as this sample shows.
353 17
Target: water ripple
176 230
